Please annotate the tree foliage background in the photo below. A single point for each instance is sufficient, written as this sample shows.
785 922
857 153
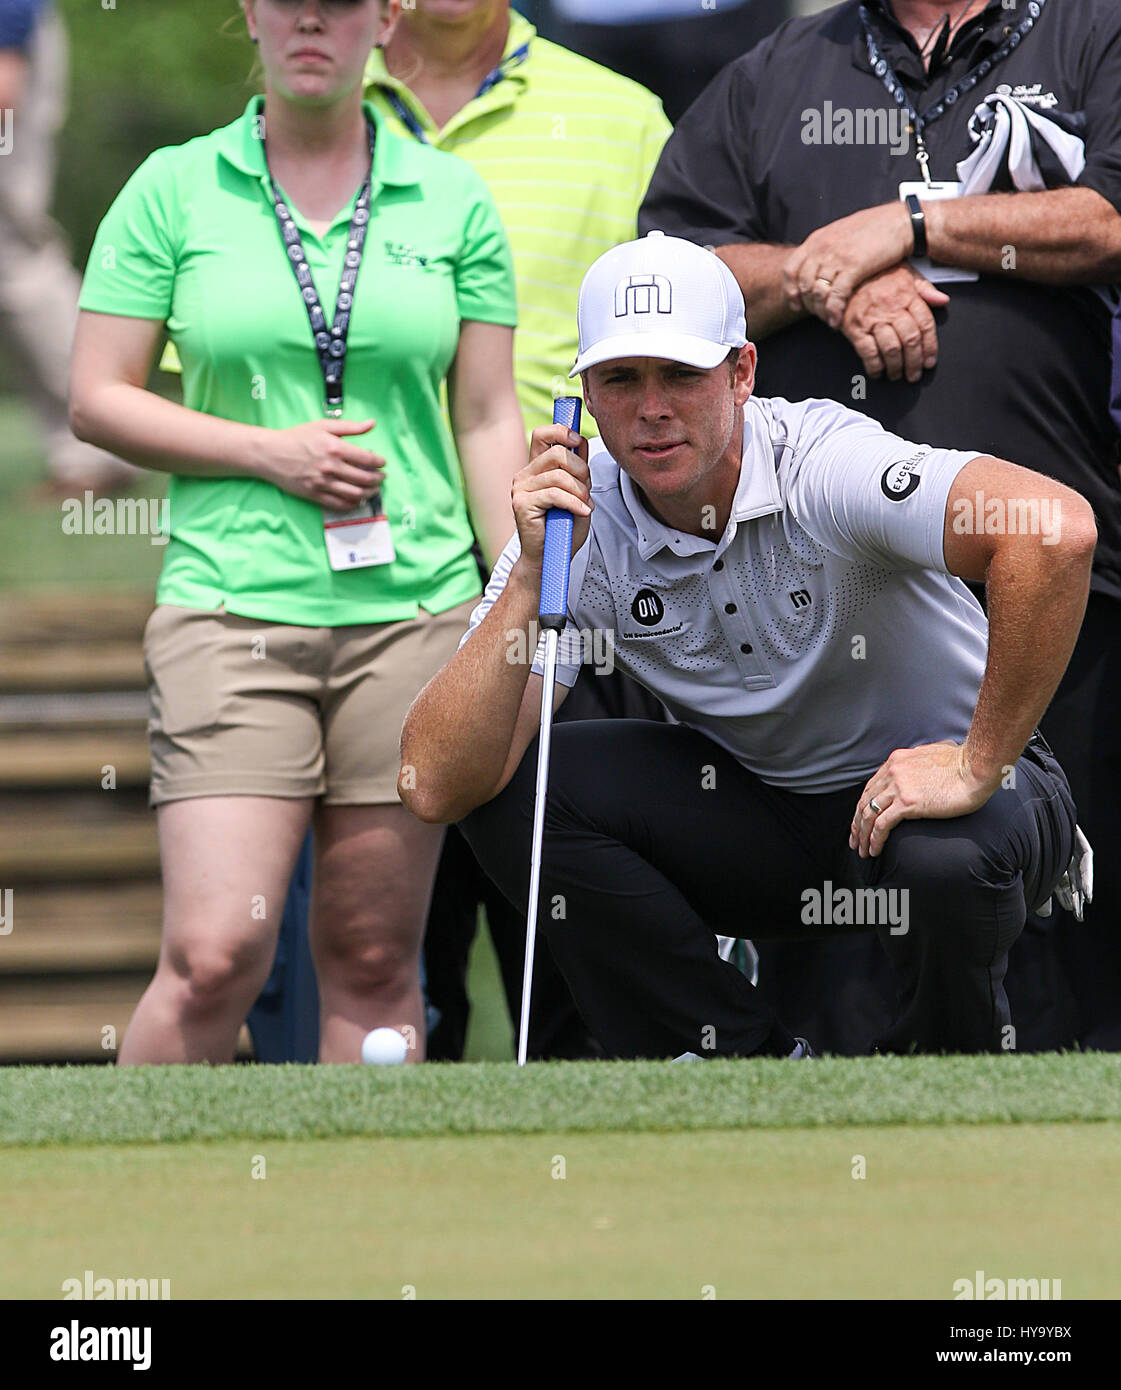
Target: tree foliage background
143 73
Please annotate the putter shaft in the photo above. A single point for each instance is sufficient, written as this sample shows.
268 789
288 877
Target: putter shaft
543 746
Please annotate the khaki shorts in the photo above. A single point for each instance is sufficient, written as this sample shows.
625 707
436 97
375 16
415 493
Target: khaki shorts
242 707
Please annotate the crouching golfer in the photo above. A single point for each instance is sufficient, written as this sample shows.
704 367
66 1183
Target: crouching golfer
786 578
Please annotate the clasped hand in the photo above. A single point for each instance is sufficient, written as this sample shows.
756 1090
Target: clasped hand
315 461
853 274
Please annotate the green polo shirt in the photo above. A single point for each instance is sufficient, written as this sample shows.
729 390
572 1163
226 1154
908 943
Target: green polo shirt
193 241
567 148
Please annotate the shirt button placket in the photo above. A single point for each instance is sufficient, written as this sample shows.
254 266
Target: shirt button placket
737 633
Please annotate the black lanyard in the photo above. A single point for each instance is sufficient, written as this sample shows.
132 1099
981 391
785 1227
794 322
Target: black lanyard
886 73
492 79
330 346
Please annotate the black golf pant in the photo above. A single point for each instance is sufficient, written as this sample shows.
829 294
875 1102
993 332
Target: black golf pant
656 840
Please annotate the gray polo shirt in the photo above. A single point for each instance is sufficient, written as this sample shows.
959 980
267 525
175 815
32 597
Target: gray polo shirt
819 632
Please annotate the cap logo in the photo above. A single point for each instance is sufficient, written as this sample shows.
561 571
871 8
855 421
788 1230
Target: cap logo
643 294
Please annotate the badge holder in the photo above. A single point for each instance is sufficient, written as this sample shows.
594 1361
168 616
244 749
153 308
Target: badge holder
933 191
360 536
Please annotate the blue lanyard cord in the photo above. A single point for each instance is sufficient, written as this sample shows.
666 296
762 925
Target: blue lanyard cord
884 71
330 346
408 119
492 79
503 70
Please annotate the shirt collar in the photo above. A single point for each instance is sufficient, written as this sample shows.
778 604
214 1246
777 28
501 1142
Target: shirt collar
241 145
885 8
504 93
757 494
902 51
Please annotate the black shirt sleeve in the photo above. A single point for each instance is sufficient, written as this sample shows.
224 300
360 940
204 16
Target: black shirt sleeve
1103 110
702 188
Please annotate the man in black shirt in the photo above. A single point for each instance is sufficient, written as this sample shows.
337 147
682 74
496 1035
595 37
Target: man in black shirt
793 165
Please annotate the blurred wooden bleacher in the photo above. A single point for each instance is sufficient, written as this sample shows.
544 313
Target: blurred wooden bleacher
80 857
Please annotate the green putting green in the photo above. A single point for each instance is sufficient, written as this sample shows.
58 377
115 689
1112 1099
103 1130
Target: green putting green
605 1180
724 1214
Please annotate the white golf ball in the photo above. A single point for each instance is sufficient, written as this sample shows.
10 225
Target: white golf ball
384 1047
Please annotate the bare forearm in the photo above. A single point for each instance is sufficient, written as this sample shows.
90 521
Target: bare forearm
1036 601
458 733
1066 236
758 269
489 429
13 78
491 454
138 425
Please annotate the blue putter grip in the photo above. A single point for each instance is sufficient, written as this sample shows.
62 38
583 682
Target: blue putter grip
553 608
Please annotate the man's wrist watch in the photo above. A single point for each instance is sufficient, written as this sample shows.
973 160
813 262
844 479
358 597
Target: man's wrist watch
918 223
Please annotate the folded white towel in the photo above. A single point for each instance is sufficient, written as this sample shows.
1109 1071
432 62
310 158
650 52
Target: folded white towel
1016 145
1009 133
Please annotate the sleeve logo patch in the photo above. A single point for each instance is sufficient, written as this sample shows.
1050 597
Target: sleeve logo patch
902 479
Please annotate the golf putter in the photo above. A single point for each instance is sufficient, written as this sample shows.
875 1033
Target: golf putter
552 614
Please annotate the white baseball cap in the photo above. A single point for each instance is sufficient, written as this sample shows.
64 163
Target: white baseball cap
659 296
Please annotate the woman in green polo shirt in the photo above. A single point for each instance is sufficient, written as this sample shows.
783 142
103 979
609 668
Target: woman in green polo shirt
319 569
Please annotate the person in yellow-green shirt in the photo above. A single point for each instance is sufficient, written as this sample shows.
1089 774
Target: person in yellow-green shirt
320 564
565 146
